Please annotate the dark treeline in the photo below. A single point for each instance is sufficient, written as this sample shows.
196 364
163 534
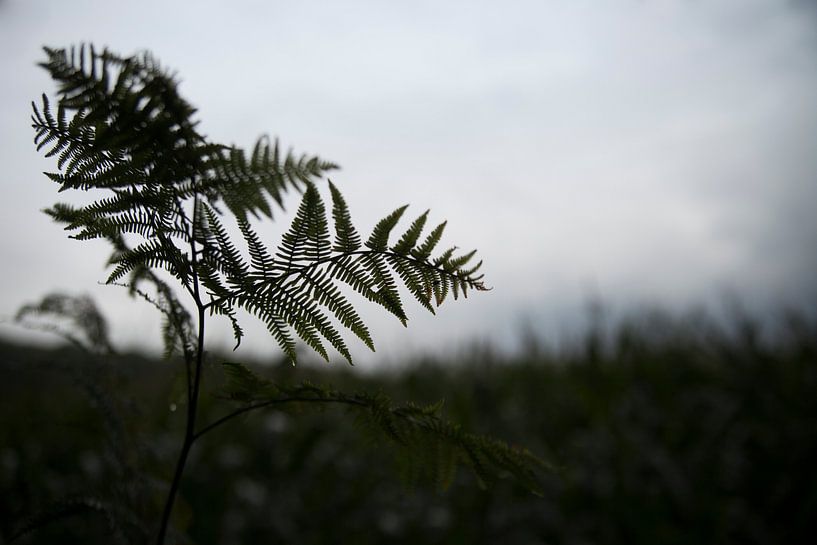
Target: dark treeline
660 430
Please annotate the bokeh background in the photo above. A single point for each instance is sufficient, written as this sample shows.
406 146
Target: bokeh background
635 153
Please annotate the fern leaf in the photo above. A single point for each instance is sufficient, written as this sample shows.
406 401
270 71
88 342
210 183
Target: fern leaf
409 238
416 279
379 239
151 254
323 290
244 385
346 238
231 262
307 239
260 258
244 184
424 251
384 286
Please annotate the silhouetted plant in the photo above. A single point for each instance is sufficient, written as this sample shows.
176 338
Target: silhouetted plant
168 200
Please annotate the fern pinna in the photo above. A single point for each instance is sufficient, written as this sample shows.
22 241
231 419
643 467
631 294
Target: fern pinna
166 197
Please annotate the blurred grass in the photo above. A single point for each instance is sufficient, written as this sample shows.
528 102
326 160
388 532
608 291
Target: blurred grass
665 431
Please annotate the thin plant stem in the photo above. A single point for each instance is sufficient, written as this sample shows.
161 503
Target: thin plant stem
192 396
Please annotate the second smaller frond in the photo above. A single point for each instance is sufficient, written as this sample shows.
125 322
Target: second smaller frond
426 445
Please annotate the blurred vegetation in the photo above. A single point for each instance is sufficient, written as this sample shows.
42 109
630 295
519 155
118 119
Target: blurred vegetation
665 430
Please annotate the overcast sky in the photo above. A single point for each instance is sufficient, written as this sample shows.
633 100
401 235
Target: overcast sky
641 152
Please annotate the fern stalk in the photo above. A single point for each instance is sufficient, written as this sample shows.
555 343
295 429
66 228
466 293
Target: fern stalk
193 390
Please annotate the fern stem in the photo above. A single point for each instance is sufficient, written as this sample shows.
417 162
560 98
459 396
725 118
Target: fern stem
192 394
189 436
271 402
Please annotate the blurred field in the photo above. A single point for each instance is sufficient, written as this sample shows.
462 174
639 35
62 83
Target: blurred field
664 431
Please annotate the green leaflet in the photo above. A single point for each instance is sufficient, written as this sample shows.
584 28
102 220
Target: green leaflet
379 238
409 238
346 238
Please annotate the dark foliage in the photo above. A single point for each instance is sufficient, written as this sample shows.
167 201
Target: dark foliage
671 432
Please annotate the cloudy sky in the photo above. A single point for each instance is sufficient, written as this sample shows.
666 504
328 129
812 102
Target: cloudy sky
641 152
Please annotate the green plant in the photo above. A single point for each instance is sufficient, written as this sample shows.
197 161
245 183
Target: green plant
170 200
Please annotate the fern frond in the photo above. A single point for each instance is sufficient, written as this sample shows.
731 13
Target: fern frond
426 445
119 127
244 385
245 184
138 222
80 311
294 289
151 254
